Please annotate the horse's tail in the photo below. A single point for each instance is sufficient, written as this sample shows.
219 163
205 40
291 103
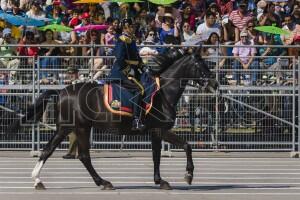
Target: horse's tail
34 112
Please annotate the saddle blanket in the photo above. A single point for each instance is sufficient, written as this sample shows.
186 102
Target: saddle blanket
117 99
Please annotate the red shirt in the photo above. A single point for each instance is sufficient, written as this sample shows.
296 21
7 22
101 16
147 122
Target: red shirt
225 8
27 51
239 20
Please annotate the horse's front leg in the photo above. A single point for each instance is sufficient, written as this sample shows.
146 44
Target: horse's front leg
172 138
156 154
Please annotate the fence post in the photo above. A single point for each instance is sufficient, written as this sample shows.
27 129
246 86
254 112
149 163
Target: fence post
35 151
295 152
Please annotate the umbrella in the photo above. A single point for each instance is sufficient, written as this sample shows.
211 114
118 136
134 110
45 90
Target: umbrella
272 30
56 28
21 21
92 27
163 2
89 1
277 0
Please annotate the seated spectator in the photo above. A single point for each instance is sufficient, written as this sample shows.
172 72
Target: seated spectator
253 34
50 62
36 11
225 6
15 9
269 17
168 28
240 18
28 39
187 33
151 39
208 27
6 53
56 14
110 39
290 25
71 75
270 55
215 10
244 58
213 52
188 16
93 37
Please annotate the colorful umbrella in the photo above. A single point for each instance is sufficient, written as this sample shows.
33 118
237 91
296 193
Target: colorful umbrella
21 21
277 0
89 1
56 28
91 27
163 2
273 30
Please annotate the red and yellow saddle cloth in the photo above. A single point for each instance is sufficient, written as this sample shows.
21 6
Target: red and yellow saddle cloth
117 99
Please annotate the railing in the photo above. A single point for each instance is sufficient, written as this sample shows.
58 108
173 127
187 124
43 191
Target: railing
245 116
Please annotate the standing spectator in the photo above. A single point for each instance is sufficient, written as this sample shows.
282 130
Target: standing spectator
72 76
240 18
244 58
208 27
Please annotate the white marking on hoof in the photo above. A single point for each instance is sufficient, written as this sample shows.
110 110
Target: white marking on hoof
36 173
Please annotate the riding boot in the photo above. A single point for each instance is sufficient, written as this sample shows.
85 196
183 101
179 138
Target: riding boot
137 124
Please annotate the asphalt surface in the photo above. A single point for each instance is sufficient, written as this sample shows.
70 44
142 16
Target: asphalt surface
224 176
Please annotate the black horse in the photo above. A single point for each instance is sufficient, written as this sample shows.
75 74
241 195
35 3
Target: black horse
81 107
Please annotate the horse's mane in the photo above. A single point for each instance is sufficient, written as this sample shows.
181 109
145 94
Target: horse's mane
165 60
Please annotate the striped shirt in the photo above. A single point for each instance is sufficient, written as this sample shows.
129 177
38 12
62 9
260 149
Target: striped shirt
239 20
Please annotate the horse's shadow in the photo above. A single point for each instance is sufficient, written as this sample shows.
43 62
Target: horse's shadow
185 188
203 187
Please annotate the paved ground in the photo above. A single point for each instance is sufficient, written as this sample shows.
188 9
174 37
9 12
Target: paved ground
217 176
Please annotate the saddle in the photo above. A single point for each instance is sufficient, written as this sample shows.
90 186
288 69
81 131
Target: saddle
117 99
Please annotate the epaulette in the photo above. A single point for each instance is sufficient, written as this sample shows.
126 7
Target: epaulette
126 39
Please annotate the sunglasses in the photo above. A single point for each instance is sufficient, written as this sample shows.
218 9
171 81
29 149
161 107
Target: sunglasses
151 34
251 26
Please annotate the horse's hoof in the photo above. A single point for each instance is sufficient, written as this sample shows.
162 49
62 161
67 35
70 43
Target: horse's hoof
40 186
188 178
108 186
164 185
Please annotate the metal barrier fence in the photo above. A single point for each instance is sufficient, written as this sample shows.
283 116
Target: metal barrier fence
243 115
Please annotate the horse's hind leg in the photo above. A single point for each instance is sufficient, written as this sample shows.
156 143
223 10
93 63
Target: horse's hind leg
156 155
172 138
83 137
46 153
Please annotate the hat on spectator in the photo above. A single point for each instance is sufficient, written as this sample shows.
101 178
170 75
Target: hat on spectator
6 31
56 2
213 4
167 16
243 2
85 15
244 33
261 4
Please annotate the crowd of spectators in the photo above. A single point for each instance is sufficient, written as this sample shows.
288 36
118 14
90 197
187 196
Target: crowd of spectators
210 22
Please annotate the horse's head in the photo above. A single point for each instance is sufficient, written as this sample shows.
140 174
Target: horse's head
200 73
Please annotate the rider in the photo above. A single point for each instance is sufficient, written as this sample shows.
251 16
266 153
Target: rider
127 69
